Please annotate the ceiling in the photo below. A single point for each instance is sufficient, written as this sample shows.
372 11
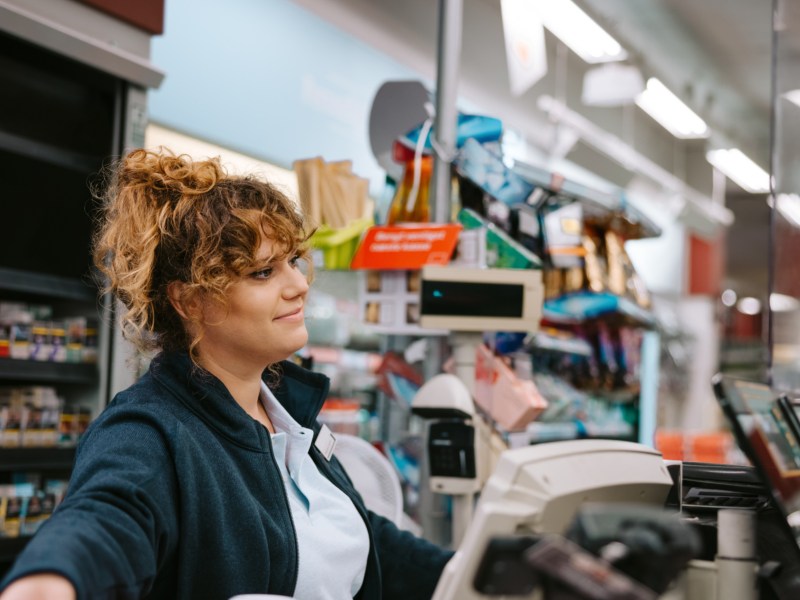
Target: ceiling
716 54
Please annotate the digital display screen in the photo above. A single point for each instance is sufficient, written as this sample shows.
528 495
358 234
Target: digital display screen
758 413
766 436
466 299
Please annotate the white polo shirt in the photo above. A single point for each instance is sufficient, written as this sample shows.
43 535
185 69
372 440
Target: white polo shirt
332 539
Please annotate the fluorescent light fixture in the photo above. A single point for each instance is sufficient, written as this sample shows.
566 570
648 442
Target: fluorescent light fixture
789 206
793 96
670 111
579 32
612 84
740 169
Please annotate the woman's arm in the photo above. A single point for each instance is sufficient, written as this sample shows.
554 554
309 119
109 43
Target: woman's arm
117 524
410 566
42 586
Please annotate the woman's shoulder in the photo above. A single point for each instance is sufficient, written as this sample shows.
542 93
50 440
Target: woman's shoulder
144 403
144 394
141 416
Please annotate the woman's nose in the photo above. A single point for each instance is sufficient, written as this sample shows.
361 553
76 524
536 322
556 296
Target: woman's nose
297 282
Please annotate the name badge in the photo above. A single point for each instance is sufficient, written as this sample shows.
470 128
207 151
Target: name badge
326 442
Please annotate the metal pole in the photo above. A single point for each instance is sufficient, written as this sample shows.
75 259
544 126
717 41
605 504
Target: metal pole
444 125
444 131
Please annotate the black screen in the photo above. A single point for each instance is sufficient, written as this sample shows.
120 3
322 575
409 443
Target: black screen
765 436
464 299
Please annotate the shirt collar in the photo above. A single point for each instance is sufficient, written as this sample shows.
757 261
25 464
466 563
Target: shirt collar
279 416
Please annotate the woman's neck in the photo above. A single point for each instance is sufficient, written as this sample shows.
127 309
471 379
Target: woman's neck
243 383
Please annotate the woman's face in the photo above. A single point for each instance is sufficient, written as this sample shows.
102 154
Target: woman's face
264 321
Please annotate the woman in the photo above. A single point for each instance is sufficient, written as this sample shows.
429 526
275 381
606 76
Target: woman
210 477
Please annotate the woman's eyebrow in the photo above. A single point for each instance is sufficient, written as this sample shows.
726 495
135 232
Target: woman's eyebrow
271 258
262 262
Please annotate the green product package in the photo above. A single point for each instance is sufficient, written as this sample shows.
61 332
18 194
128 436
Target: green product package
503 251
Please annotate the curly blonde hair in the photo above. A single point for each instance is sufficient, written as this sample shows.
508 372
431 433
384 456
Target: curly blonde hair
167 218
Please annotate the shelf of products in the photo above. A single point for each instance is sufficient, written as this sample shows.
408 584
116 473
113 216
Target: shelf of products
586 360
597 202
54 334
50 286
47 372
45 152
33 459
582 306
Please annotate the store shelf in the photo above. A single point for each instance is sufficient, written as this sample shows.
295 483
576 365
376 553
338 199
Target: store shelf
582 306
593 199
48 153
538 432
50 286
32 459
47 372
10 547
563 344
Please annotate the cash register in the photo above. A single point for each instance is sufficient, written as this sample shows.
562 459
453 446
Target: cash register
548 511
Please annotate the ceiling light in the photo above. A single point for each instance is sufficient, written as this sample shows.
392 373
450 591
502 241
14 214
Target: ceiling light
612 84
579 32
793 96
740 169
670 111
783 303
749 305
729 297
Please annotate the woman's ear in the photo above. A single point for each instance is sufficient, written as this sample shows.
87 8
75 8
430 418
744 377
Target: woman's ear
175 293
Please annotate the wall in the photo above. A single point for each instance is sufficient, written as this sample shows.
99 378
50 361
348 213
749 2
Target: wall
271 80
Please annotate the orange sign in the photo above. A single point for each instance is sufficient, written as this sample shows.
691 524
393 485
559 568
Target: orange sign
406 246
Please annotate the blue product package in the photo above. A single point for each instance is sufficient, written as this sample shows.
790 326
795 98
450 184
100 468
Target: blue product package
402 388
486 170
477 127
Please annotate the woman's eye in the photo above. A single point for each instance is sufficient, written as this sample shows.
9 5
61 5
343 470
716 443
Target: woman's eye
267 272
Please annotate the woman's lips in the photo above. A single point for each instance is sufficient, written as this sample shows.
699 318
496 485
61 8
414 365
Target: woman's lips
295 314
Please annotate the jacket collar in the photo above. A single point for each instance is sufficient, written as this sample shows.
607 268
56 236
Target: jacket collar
301 393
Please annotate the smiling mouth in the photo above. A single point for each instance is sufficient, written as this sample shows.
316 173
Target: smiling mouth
295 312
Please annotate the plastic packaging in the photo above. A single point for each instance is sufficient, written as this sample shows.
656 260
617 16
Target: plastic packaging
411 202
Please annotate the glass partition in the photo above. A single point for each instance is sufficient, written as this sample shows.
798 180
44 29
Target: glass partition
784 314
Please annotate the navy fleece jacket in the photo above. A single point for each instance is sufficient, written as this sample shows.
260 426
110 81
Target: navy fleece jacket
176 494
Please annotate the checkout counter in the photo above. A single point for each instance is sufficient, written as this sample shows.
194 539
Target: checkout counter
599 519
612 520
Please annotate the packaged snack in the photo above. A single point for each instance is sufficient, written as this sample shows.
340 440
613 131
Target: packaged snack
58 342
89 353
40 346
75 337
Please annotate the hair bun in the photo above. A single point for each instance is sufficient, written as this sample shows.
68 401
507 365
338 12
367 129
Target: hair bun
165 171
